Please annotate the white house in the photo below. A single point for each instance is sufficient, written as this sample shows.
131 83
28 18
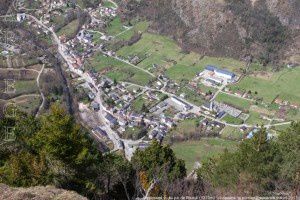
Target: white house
21 17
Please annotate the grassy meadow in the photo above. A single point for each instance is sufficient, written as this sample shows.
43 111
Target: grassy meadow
197 151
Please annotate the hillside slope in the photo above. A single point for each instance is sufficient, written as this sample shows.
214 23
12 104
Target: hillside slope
261 28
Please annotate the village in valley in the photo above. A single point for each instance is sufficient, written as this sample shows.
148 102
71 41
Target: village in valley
133 86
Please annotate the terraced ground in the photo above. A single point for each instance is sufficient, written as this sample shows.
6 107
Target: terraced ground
24 72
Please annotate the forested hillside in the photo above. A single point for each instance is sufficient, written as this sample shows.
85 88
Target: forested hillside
268 30
54 150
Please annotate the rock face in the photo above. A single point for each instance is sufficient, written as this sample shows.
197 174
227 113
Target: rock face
262 28
37 193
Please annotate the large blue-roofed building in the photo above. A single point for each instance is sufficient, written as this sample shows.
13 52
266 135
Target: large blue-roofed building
220 72
211 68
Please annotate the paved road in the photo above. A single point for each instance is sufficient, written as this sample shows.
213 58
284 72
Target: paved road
197 110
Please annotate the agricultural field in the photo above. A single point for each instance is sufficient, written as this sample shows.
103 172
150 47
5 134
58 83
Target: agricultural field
138 27
191 96
232 120
206 89
26 87
168 56
115 27
108 4
232 133
197 151
269 85
256 119
118 70
70 29
186 127
281 128
28 104
235 101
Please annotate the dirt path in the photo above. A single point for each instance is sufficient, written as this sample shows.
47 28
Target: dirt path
42 95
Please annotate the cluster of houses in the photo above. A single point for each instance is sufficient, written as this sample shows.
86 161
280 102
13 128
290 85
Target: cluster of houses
281 102
120 114
118 104
109 12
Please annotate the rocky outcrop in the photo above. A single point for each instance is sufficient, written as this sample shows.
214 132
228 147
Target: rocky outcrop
37 193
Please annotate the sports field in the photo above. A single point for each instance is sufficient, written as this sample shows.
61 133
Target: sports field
284 84
197 151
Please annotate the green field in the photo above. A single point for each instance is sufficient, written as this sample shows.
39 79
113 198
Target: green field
29 104
133 133
139 27
192 96
69 29
206 89
232 120
285 84
26 87
119 70
193 151
235 101
185 127
255 119
115 26
164 52
108 4
281 128
232 133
